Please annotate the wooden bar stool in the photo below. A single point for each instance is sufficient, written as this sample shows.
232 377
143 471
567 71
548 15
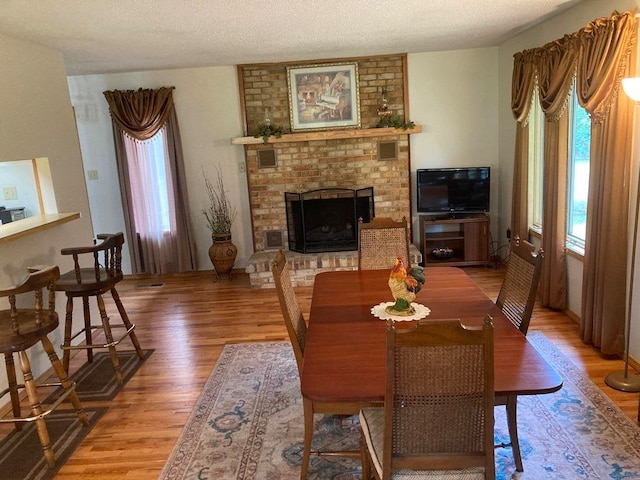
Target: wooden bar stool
22 328
84 282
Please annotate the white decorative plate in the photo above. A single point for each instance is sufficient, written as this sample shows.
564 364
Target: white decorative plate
379 311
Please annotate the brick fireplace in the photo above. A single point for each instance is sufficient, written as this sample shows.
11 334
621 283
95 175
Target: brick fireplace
326 220
307 162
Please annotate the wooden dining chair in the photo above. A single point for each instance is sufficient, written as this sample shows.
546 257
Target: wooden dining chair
516 299
297 330
96 270
20 329
436 422
293 318
520 285
381 241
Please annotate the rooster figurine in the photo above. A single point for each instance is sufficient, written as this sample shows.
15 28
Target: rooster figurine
404 286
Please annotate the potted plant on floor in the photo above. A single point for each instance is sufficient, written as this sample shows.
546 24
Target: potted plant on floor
220 215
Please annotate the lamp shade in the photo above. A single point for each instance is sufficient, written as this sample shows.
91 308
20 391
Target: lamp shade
631 87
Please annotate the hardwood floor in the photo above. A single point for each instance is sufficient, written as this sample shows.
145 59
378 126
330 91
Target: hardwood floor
187 319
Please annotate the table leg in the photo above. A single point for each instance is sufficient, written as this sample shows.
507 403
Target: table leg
512 421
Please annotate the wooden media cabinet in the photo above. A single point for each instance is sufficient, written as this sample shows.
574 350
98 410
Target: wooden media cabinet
466 234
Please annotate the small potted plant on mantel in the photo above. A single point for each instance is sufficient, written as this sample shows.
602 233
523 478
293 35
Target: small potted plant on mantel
220 215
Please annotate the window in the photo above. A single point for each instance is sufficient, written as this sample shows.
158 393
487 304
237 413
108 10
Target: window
536 163
577 167
578 170
152 196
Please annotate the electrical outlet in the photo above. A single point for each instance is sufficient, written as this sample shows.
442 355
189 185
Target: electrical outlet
92 174
243 167
10 193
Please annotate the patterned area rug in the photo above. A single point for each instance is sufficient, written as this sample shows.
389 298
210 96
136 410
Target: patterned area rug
247 424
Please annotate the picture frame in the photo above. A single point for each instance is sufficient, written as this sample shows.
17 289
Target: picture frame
324 97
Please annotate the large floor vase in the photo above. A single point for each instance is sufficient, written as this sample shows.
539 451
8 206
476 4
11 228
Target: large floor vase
222 253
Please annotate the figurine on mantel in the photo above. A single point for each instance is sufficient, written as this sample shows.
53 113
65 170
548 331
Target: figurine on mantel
404 287
383 109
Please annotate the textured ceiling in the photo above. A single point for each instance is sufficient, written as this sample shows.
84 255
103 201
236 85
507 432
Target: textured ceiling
117 35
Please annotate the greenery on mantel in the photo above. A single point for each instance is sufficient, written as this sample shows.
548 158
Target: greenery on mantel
394 122
266 130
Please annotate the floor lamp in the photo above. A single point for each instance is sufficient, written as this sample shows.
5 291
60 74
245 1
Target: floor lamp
622 380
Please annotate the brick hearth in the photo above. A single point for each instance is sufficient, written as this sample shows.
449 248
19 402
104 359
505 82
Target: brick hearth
304 267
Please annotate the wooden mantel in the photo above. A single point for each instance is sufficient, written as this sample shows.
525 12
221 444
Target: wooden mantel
329 135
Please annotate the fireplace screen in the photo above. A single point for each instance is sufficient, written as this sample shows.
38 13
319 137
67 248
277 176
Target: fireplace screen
326 220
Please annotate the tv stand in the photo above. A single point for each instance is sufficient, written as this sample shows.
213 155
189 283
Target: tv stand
466 234
454 215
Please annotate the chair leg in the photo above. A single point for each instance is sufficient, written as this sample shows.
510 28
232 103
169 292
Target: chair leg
13 388
68 319
308 435
36 409
64 379
364 458
86 315
127 323
109 340
512 422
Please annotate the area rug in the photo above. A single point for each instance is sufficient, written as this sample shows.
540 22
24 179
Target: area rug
21 454
248 424
96 381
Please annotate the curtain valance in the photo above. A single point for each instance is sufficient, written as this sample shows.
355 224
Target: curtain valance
140 113
598 55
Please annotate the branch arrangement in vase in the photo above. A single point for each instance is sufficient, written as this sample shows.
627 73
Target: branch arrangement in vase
220 214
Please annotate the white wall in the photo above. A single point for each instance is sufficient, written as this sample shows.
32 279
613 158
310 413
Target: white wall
454 96
208 109
36 120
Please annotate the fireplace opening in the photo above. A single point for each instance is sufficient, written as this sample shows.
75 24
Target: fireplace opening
326 220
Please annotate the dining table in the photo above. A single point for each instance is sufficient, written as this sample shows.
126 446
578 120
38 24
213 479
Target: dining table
345 346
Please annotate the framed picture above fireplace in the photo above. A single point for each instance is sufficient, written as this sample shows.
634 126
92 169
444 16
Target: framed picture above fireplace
324 97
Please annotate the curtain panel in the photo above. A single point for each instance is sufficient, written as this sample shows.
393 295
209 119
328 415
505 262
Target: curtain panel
597 56
522 87
141 114
556 64
607 54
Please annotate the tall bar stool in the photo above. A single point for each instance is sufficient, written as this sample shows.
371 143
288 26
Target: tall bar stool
20 329
84 282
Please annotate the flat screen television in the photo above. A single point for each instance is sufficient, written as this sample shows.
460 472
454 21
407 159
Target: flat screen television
453 190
